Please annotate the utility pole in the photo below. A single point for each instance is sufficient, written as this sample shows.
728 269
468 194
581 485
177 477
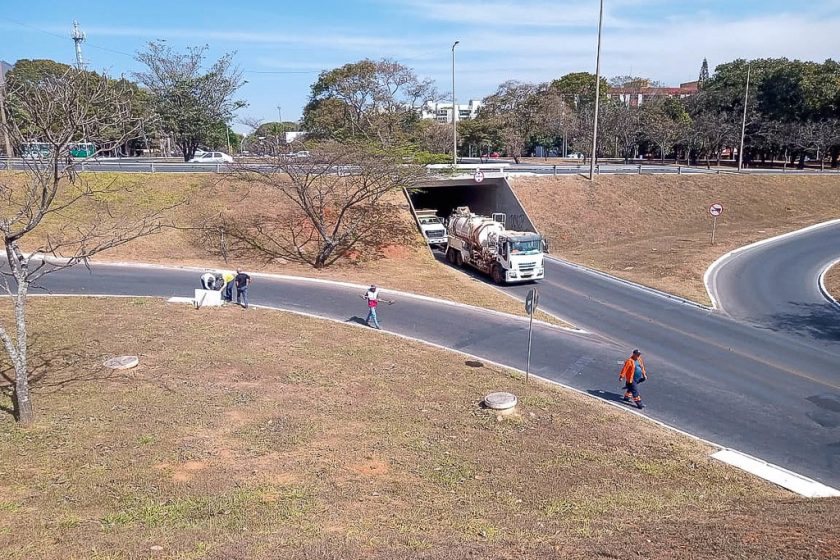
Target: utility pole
454 111
744 121
3 122
282 128
597 95
78 37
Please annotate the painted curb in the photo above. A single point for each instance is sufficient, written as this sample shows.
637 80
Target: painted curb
777 475
826 294
710 275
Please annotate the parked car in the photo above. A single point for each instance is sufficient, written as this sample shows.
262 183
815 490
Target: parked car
574 155
301 154
491 155
212 157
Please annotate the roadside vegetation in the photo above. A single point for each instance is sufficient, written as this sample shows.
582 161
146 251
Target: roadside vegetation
299 438
656 229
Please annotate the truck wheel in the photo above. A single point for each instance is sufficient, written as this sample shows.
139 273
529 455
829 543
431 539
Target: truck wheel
459 260
497 275
450 256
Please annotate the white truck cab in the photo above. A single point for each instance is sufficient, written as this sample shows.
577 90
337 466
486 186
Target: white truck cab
432 227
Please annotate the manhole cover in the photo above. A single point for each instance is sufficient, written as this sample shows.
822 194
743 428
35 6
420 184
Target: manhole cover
123 362
500 401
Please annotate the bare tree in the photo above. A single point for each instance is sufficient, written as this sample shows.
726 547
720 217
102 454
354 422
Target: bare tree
55 112
334 199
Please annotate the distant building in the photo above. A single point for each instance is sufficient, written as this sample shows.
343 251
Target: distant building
442 112
4 68
638 95
294 136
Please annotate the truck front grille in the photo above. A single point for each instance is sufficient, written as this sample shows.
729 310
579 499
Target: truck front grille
436 234
527 268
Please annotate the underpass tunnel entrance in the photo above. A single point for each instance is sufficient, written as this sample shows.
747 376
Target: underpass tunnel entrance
485 198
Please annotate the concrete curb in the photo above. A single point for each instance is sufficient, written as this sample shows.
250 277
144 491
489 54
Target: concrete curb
823 289
711 272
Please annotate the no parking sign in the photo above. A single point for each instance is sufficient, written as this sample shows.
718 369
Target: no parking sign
478 176
715 210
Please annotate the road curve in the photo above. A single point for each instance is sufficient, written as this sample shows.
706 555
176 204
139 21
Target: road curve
701 381
774 284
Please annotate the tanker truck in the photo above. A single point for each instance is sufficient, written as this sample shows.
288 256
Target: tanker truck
485 244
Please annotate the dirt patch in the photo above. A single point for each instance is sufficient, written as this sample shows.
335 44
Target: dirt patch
405 265
303 439
656 229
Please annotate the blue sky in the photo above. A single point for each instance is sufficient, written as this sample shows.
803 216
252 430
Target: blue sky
281 46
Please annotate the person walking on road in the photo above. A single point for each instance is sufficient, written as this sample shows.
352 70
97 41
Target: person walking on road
373 297
632 374
242 282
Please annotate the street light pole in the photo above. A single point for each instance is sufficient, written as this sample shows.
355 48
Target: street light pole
282 128
744 121
597 95
454 112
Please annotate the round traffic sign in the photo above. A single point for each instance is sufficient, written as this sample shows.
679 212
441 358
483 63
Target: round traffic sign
478 176
716 209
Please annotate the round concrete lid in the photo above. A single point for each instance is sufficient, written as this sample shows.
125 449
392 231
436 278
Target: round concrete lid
123 362
500 401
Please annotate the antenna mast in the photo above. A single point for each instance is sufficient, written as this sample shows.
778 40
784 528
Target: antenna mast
78 37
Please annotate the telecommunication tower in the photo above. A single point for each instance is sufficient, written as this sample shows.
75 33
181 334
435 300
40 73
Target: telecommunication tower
78 37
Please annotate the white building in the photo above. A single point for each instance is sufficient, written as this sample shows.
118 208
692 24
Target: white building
442 112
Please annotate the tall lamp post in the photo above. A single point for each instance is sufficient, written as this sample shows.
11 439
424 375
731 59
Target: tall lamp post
282 128
597 95
454 111
744 121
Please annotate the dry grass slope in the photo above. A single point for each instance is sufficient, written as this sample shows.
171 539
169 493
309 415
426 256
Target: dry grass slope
285 437
655 229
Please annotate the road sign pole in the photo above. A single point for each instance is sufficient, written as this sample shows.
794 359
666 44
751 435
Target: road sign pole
714 226
530 330
531 302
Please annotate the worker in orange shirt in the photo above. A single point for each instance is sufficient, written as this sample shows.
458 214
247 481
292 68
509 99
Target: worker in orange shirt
632 374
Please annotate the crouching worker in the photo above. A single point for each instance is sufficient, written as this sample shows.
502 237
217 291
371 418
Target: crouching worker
227 278
632 374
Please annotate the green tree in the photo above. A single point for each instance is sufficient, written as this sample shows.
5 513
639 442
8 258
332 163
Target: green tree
189 102
377 101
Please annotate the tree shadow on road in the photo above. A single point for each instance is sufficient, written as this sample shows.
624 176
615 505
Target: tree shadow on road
818 321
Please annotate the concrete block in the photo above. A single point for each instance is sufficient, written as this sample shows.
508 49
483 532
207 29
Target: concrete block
208 298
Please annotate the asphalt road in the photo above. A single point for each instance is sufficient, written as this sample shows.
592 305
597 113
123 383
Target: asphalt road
781 294
773 394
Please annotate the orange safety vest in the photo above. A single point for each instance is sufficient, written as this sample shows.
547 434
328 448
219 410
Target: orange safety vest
629 369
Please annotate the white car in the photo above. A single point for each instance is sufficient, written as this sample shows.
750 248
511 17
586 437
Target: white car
432 227
212 157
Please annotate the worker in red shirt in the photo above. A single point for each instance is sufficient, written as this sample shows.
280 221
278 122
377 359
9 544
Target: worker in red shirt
632 374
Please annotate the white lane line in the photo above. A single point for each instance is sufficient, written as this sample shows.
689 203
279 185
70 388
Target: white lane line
789 480
777 475
823 289
710 276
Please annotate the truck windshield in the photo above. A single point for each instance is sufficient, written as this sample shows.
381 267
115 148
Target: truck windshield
525 247
429 221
